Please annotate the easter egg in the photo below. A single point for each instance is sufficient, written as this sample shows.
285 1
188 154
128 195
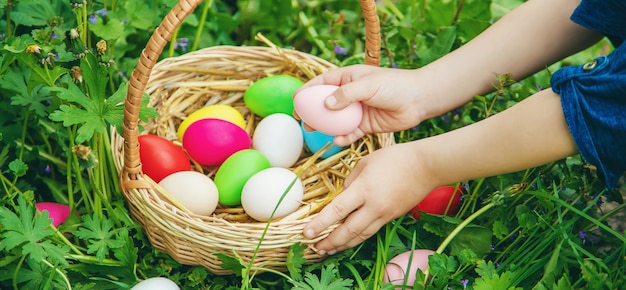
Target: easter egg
443 200
156 283
56 211
273 94
232 175
309 104
211 141
160 157
194 190
262 193
218 111
316 140
279 137
401 269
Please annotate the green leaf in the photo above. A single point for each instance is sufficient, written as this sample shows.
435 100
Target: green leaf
593 276
128 253
33 13
231 263
499 229
295 260
442 45
474 237
525 217
467 257
95 76
18 167
95 115
17 80
139 14
100 235
111 30
489 278
328 280
442 264
29 231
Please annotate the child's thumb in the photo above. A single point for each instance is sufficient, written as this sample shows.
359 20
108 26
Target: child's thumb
337 100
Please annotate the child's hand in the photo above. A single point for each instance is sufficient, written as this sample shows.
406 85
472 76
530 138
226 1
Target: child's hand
383 186
390 98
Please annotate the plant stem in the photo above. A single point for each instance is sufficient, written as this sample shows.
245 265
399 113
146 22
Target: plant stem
205 12
457 230
17 270
313 33
8 8
67 281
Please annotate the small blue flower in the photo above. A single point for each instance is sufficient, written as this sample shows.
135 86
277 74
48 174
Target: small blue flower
582 234
53 35
492 247
340 50
93 19
394 65
102 12
182 43
464 282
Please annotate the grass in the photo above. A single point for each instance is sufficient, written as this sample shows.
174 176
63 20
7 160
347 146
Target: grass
550 227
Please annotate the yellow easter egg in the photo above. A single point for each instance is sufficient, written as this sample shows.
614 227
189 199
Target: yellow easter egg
218 111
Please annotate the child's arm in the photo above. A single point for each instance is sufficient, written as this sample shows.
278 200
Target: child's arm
387 183
533 36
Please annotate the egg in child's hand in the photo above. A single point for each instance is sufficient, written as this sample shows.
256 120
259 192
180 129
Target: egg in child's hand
309 104
279 137
263 191
405 265
194 190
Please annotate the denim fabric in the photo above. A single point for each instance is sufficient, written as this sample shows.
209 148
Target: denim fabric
605 16
593 97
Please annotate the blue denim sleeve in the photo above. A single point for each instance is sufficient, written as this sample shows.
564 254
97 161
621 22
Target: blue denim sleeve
593 97
605 16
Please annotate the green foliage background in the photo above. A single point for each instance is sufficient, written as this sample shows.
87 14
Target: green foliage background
551 227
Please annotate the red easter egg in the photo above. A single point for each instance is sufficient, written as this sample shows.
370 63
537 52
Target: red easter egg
160 157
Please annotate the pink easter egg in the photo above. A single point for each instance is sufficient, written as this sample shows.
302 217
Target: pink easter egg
56 211
405 265
211 141
309 104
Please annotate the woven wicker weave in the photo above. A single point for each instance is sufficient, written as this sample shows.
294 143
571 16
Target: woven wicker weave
180 85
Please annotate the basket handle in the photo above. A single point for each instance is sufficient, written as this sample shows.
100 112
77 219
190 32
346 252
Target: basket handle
150 54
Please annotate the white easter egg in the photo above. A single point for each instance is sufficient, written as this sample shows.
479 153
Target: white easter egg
156 283
194 190
279 137
262 192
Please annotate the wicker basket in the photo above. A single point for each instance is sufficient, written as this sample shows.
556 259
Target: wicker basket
180 85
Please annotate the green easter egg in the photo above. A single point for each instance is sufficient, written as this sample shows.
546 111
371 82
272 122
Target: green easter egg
273 94
235 171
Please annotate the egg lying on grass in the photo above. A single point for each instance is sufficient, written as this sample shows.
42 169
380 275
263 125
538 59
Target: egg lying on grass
401 269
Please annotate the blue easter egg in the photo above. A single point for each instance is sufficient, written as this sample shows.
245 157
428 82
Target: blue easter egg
315 140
